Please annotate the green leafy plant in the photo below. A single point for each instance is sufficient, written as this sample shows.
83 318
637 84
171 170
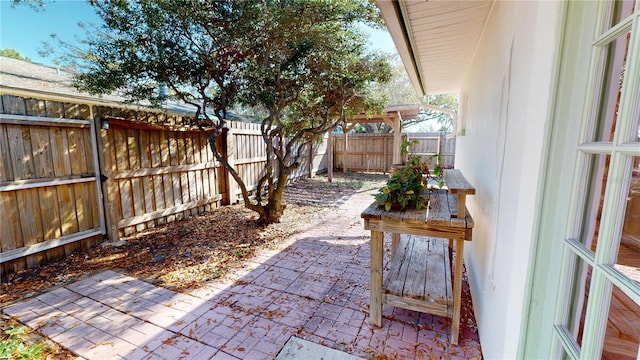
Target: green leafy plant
406 185
13 345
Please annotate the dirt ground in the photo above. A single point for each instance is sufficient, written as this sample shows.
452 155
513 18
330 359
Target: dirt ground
185 254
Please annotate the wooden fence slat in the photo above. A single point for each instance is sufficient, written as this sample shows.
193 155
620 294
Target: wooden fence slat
147 181
59 154
35 107
66 198
197 158
167 181
10 231
83 214
50 212
6 171
156 161
55 109
137 198
20 148
106 154
29 208
42 154
14 105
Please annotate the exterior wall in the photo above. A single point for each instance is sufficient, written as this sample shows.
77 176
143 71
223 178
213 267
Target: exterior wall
507 92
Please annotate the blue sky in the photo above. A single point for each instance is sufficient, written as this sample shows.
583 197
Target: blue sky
23 29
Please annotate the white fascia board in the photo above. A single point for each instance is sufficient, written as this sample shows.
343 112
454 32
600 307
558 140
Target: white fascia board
396 26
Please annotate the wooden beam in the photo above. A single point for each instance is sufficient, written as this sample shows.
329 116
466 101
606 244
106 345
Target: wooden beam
47 245
37 183
125 174
134 220
397 140
142 125
42 121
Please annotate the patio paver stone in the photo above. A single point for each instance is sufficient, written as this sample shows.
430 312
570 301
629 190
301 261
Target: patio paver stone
315 288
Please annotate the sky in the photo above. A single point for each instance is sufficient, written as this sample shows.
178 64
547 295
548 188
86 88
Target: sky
24 29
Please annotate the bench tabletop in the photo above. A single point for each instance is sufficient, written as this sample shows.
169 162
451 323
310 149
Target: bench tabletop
442 211
456 182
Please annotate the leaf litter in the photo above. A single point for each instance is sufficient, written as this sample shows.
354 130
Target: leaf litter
185 254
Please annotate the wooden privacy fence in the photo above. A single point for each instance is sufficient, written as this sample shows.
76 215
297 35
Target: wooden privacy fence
67 178
374 152
73 172
156 174
49 191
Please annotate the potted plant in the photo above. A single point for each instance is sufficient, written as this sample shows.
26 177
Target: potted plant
406 185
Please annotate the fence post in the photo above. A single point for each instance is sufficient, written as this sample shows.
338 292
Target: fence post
109 191
384 155
397 141
345 152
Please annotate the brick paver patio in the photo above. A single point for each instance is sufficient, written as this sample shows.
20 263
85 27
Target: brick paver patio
315 289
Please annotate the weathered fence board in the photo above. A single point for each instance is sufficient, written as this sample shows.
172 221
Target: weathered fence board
47 181
374 152
160 175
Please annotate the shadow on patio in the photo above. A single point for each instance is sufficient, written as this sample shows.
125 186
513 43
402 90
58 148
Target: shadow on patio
317 289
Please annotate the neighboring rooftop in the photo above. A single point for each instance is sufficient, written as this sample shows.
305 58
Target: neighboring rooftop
25 77
33 77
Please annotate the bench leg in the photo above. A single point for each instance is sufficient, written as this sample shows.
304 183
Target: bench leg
375 291
457 292
395 241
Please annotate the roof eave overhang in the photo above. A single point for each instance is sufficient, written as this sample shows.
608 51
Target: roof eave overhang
393 16
436 40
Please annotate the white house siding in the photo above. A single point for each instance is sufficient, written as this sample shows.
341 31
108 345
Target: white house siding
507 93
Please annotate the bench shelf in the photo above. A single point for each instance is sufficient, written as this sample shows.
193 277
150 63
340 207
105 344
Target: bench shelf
419 277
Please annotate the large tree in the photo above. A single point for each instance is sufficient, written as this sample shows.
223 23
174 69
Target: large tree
300 61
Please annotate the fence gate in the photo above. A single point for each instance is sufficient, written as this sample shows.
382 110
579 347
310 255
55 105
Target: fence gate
50 195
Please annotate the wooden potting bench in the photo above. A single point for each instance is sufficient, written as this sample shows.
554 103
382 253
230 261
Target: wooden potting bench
419 276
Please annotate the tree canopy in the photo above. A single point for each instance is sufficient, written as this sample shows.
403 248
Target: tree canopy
302 63
13 53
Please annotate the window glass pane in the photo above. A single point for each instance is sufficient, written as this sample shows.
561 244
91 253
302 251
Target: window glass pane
614 60
623 328
628 260
622 9
596 172
578 299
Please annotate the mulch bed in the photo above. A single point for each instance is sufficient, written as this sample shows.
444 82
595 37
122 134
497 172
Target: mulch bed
186 254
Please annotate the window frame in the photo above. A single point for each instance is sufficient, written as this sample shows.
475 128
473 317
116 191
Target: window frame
603 275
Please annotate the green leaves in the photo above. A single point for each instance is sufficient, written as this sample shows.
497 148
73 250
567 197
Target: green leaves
302 63
13 345
404 188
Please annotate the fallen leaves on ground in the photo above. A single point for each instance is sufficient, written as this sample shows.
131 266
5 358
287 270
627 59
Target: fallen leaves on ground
185 254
